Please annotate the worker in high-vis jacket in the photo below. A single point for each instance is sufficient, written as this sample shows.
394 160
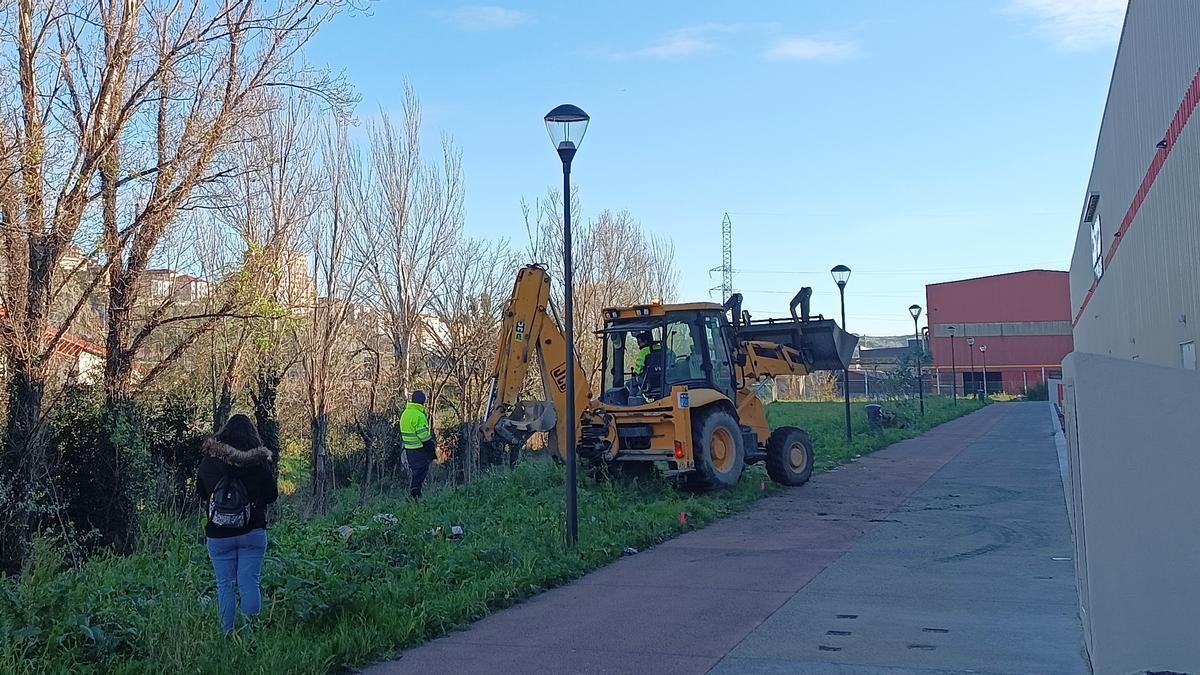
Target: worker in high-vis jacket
419 444
649 357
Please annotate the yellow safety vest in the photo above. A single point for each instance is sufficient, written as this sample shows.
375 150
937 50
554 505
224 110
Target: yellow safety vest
414 426
639 366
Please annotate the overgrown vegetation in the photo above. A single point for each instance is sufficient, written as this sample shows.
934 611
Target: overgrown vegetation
397 580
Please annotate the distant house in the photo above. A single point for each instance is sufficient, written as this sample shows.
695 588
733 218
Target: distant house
160 284
73 356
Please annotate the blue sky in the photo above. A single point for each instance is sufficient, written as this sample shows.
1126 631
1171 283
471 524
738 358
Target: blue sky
914 141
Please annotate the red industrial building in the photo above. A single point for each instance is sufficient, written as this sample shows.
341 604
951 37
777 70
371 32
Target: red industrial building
1021 319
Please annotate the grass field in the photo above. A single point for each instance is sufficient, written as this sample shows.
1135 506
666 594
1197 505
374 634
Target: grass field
330 601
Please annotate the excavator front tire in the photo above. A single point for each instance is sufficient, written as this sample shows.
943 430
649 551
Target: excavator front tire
789 456
716 449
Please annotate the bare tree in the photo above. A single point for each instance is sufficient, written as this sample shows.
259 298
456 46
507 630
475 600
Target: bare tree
141 99
270 208
414 214
324 341
473 283
616 263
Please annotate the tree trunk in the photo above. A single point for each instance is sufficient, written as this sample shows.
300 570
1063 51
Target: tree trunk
373 432
320 462
24 465
123 476
25 443
118 362
223 409
266 412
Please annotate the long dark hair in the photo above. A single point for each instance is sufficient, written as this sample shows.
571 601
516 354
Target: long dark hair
240 432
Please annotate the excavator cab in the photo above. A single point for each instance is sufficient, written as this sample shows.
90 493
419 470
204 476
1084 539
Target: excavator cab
688 348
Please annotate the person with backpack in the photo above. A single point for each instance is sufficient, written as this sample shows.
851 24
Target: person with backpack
236 483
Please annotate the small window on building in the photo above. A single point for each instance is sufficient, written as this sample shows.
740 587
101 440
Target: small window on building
1187 352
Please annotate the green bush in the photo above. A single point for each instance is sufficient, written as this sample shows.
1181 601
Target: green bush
112 464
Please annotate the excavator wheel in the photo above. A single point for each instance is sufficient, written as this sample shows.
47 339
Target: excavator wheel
789 456
717 449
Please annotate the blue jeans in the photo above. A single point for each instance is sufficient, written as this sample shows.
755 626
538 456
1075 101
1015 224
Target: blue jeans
238 558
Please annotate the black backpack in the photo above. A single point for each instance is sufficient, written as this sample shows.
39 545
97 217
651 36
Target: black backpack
229 505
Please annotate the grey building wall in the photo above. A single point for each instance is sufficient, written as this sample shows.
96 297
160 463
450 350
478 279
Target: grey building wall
1134 512
1147 301
1130 403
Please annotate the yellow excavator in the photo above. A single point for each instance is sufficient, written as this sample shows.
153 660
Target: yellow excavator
687 403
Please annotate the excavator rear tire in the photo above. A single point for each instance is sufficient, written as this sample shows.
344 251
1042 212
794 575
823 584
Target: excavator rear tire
717 449
789 456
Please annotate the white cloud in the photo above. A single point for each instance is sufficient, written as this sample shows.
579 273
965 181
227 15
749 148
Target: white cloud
678 45
479 18
811 49
682 43
1074 25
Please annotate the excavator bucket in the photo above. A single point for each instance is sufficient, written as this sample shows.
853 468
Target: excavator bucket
526 418
821 342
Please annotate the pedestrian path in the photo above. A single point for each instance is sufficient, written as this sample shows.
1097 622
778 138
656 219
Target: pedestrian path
943 553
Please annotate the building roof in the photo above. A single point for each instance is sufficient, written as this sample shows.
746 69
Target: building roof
1002 274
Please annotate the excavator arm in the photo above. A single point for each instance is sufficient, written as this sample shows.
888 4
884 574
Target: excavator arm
527 329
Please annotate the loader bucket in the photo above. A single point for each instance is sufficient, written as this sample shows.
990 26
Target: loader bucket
821 342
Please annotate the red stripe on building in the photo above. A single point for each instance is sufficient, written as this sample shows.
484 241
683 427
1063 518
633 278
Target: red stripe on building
1186 107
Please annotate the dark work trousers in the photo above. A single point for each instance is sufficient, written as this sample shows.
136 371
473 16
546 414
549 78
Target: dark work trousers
418 468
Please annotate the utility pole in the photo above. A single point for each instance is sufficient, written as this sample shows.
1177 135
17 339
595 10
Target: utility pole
726 268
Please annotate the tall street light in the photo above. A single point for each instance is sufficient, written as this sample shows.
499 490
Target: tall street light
953 367
566 125
983 350
971 355
915 310
841 275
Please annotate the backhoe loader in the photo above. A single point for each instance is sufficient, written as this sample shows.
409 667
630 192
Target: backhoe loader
691 408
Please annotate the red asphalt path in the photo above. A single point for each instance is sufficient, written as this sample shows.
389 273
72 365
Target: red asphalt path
683 605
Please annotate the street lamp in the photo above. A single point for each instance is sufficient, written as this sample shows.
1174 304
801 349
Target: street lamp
915 310
953 367
841 275
971 356
983 350
566 125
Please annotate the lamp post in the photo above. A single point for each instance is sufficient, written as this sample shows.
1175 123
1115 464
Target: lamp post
983 350
566 125
953 367
841 275
915 310
971 357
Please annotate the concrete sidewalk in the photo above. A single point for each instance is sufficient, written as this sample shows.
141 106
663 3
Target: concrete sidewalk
872 567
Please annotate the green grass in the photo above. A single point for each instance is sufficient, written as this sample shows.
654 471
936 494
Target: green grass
329 602
825 423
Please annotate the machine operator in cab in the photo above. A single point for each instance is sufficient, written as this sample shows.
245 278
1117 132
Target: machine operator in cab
649 358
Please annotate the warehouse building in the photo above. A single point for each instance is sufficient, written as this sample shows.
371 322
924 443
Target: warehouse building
1010 331
1130 388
